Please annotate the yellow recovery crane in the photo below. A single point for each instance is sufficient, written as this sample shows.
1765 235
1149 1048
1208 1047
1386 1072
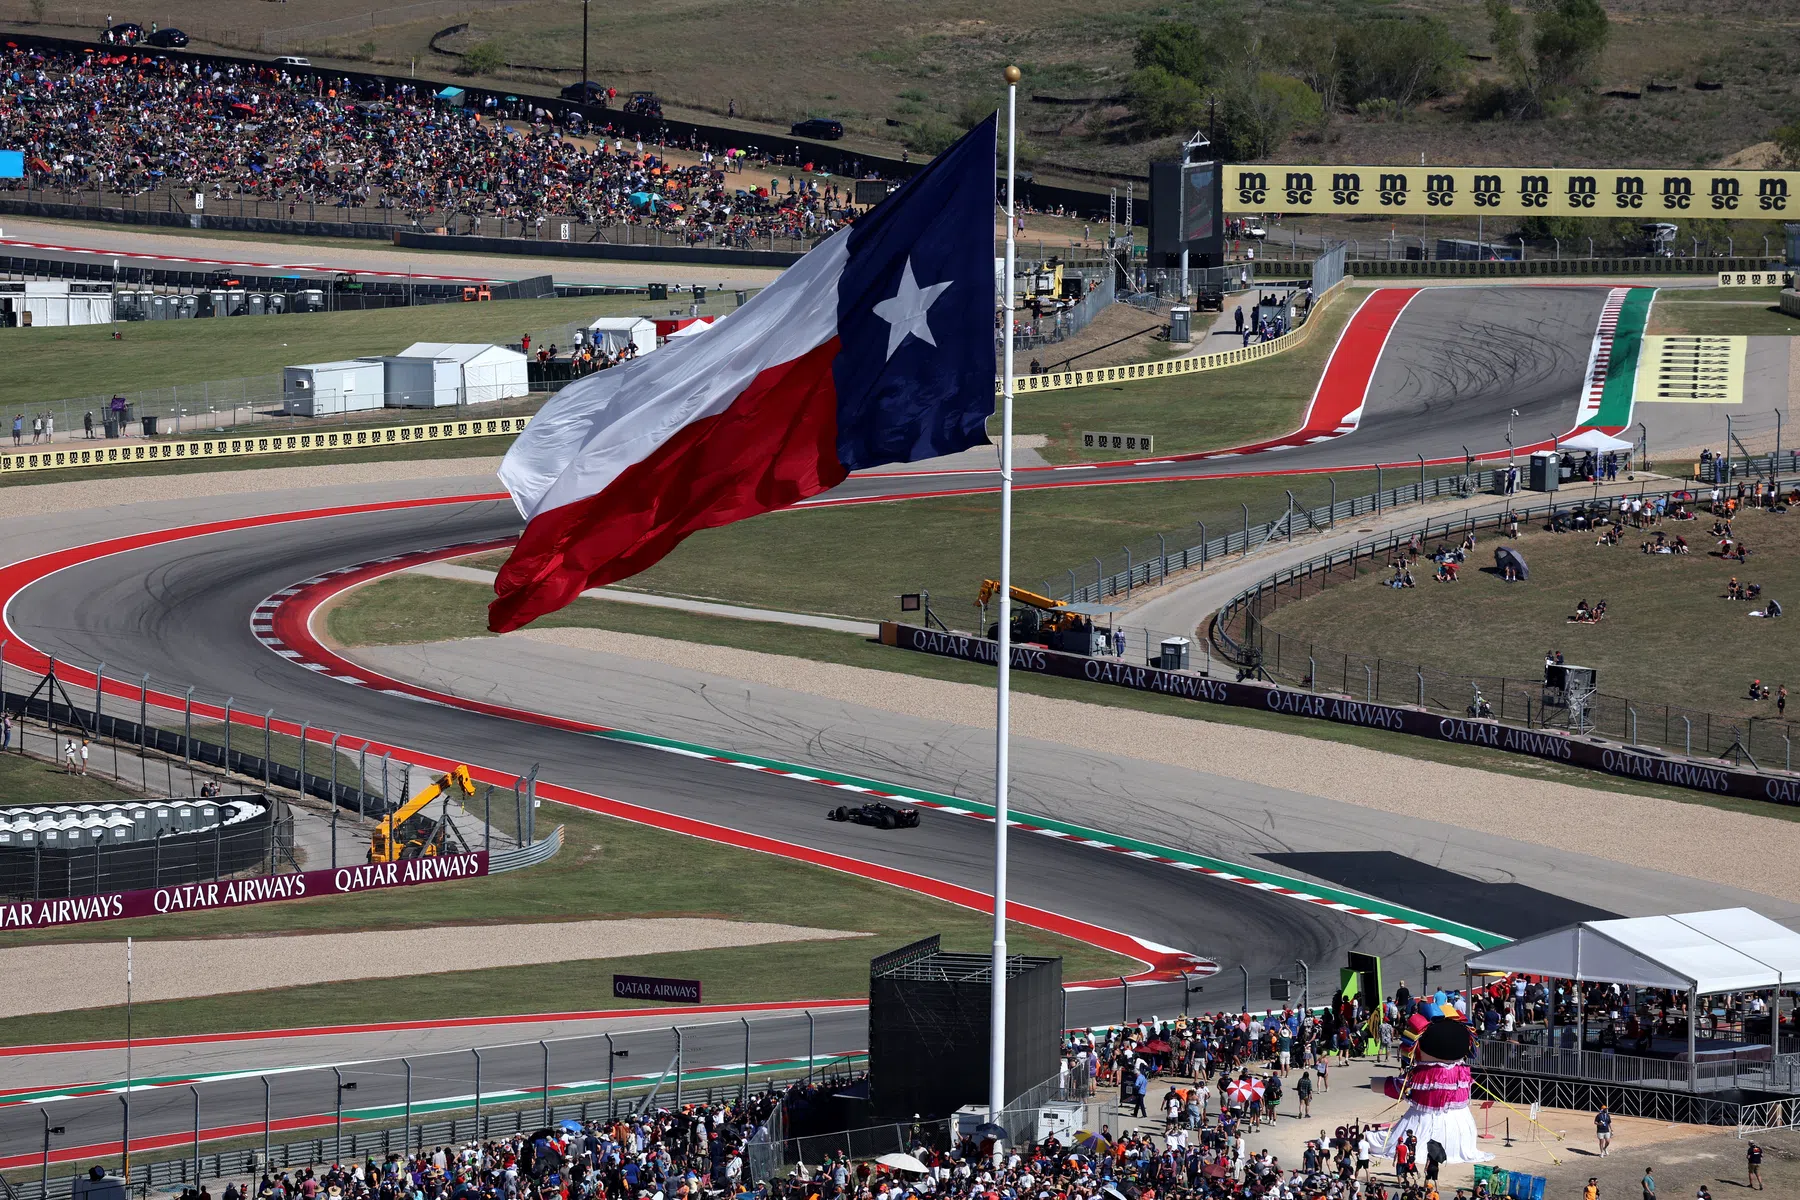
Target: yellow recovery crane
407 833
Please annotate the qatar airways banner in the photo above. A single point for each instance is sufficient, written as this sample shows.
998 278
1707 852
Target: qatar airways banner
231 893
1613 759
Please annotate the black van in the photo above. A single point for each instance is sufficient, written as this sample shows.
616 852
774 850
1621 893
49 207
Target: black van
823 128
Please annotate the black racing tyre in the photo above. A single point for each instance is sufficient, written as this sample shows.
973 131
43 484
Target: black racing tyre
886 821
840 813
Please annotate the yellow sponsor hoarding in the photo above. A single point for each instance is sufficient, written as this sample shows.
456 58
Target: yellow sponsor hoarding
1511 191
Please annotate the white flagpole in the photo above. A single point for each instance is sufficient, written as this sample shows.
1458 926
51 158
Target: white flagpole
1002 715
125 1128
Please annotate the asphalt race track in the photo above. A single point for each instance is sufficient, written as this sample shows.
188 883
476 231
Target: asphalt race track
1460 359
181 611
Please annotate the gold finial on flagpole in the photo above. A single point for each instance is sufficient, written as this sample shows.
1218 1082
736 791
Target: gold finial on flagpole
1013 74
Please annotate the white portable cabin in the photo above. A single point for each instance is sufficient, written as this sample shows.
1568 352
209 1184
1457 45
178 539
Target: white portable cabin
329 388
422 382
612 334
488 373
37 303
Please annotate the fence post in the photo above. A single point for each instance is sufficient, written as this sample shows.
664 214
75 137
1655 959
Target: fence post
268 749
187 731
1246 509
1202 545
1127 571
143 708
99 687
1378 488
1421 676
1162 555
1688 727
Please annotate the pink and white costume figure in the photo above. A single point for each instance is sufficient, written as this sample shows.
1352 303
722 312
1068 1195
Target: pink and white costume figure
1436 1086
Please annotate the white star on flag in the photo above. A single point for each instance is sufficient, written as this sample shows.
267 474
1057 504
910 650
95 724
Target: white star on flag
905 311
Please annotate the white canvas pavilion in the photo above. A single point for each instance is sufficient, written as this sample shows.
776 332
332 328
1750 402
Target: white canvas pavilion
1700 953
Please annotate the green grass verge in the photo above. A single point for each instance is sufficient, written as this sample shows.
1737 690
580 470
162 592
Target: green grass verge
1191 413
387 613
82 361
1668 637
608 869
1674 316
26 781
857 559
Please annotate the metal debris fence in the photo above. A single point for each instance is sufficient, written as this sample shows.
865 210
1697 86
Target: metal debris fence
1240 634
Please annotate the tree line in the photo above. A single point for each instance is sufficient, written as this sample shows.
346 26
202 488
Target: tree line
1253 87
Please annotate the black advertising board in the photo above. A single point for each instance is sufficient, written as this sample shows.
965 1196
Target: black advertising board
649 987
1555 745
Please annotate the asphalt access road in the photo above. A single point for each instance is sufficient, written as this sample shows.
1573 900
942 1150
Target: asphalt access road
1458 362
181 612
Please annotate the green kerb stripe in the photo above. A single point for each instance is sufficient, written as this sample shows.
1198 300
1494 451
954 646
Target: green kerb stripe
1622 367
1478 937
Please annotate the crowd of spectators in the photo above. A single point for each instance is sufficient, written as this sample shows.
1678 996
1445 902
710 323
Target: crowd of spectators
661 1155
125 124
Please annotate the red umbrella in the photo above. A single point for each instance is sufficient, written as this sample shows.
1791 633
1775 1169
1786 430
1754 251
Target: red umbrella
1157 1047
1245 1090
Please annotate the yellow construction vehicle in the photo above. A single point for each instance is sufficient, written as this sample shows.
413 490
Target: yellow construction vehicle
1036 618
407 832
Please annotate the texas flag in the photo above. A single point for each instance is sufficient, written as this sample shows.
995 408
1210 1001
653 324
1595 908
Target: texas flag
877 347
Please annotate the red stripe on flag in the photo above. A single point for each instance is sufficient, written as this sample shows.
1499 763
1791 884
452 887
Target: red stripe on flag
775 446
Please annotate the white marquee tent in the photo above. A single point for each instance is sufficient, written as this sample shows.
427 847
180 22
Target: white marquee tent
1725 950
1700 953
1595 440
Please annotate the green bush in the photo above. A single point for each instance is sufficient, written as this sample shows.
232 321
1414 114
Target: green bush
1162 102
483 59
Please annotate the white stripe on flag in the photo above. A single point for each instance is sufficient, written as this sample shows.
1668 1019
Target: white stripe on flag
596 428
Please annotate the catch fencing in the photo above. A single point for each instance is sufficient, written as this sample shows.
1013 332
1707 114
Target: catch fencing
169 204
169 755
1152 567
1241 635
453 1097
1033 333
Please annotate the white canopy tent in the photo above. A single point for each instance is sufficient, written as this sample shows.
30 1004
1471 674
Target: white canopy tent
1593 439
1700 953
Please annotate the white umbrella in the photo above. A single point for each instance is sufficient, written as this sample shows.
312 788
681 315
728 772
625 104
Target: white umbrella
902 1162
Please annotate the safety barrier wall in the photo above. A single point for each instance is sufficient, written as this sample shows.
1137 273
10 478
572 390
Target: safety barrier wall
548 248
1406 268
1630 762
78 455
1790 301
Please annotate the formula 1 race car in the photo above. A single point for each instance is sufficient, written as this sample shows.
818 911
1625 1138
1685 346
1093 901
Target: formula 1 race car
882 816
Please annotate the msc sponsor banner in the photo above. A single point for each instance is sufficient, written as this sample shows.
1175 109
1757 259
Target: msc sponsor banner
649 987
1511 191
1548 744
1756 279
231 893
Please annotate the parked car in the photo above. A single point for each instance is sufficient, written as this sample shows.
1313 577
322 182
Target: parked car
125 33
823 128
644 104
168 39
293 60
586 93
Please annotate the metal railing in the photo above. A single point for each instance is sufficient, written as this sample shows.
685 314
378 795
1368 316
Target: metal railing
155 204
1151 569
359 1145
1240 634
